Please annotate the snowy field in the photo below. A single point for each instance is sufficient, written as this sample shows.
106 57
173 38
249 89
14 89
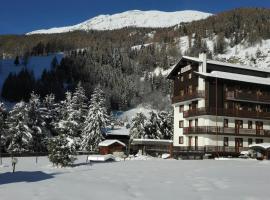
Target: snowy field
137 179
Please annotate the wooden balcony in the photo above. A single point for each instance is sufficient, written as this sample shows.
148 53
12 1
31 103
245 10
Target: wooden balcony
189 96
213 130
252 97
227 112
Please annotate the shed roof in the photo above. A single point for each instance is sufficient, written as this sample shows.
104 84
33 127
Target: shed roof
107 143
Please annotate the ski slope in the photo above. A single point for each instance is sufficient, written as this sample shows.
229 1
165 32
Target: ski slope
36 64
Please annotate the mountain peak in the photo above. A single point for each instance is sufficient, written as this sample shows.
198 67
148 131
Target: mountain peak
131 18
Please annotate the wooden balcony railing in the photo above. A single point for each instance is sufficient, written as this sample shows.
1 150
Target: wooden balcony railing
227 112
232 95
189 96
209 149
226 131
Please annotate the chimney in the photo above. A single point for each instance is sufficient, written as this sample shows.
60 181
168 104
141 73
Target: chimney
203 58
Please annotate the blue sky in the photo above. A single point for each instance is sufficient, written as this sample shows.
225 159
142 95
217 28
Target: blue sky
21 16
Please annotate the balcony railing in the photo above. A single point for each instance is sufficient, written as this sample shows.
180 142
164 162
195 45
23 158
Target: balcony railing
226 131
227 112
209 149
189 96
232 95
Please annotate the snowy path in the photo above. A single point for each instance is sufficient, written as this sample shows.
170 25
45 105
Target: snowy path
144 180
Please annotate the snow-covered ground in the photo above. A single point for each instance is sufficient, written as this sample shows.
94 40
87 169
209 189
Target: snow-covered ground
155 179
132 18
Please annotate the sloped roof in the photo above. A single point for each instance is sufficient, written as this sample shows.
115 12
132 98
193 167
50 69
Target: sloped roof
236 77
214 62
107 143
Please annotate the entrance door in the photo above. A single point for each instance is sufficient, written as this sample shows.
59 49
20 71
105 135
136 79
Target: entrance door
259 127
238 144
238 125
189 142
196 142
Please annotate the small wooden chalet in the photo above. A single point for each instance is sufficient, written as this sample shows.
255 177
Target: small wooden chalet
111 146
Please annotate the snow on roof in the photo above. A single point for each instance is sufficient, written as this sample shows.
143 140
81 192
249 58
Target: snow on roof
264 146
107 143
192 58
100 157
214 62
237 77
119 131
238 66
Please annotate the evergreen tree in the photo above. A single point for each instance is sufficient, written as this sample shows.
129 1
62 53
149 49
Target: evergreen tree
54 63
68 123
96 121
61 151
151 127
2 126
20 135
50 112
165 125
137 129
37 124
17 61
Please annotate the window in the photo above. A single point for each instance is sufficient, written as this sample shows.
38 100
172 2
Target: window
226 123
240 142
190 89
226 142
181 108
182 93
226 105
249 124
190 76
182 78
181 124
181 140
258 141
196 122
250 141
190 123
238 124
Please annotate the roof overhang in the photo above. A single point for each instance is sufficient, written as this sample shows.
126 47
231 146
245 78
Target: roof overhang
178 65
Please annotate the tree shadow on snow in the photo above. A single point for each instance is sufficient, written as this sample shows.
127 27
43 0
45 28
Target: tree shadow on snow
20 176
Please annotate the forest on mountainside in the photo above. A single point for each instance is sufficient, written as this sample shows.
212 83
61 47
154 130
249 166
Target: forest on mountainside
123 61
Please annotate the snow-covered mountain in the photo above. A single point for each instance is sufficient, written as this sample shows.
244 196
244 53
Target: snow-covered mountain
134 18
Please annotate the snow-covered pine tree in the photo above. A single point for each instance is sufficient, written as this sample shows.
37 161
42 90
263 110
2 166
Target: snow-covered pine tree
79 106
20 135
37 124
165 125
2 128
61 151
151 127
95 122
50 112
137 129
68 124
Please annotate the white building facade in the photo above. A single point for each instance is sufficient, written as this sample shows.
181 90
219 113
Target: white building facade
219 105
